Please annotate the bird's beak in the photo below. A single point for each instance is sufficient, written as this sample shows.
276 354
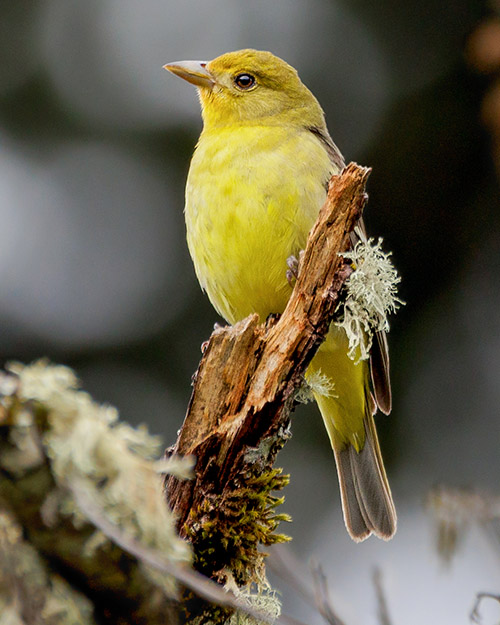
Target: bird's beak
194 72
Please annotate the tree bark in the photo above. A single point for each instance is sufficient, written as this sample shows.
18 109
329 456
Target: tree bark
244 391
237 421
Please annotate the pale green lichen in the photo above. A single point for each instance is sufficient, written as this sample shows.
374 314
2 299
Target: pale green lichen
28 593
371 295
10 613
315 383
264 600
111 460
64 606
260 598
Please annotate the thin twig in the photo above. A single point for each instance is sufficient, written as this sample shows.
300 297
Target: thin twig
198 583
383 610
474 615
286 566
323 600
284 563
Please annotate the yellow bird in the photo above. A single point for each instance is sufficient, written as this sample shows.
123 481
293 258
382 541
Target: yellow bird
256 183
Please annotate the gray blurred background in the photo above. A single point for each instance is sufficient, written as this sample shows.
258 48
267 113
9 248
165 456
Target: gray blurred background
95 142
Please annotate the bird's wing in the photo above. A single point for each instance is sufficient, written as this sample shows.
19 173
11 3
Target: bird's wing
334 153
379 369
379 354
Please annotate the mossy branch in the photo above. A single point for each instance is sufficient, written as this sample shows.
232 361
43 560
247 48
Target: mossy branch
55 441
73 476
244 391
85 534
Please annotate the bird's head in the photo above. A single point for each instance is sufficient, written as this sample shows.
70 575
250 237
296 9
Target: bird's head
250 87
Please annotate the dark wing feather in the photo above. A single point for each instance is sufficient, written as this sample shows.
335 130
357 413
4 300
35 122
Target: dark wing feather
379 369
379 355
333 152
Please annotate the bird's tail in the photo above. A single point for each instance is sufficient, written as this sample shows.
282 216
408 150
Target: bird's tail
366 495
347 414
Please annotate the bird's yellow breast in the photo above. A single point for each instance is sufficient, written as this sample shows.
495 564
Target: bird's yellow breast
253 193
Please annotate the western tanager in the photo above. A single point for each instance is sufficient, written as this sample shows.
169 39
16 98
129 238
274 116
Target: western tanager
257 180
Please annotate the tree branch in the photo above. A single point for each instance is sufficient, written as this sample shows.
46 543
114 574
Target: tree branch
69 467
244 391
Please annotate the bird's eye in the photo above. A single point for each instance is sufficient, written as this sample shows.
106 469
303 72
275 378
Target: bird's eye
244 81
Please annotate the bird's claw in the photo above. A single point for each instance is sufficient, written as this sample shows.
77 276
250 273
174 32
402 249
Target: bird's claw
293 265
345 270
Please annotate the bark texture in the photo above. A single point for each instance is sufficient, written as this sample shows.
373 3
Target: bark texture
244 391
67 467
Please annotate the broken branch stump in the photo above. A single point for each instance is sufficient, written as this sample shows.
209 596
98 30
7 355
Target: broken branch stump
238 416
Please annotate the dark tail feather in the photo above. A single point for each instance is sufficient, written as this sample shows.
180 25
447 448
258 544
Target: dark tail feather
366 495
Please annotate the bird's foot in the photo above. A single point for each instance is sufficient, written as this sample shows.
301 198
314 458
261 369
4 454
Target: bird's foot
293 265
204 345
346 270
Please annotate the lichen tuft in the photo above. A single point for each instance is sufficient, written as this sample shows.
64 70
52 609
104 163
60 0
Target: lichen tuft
315 383
90 450
370 296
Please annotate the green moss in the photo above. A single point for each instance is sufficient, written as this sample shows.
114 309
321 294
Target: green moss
226 530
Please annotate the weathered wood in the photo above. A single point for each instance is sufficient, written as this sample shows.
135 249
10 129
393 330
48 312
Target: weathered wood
244 390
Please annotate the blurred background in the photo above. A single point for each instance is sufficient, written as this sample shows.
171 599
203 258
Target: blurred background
95 143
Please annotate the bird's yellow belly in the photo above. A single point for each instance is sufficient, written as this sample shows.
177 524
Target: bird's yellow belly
249 206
